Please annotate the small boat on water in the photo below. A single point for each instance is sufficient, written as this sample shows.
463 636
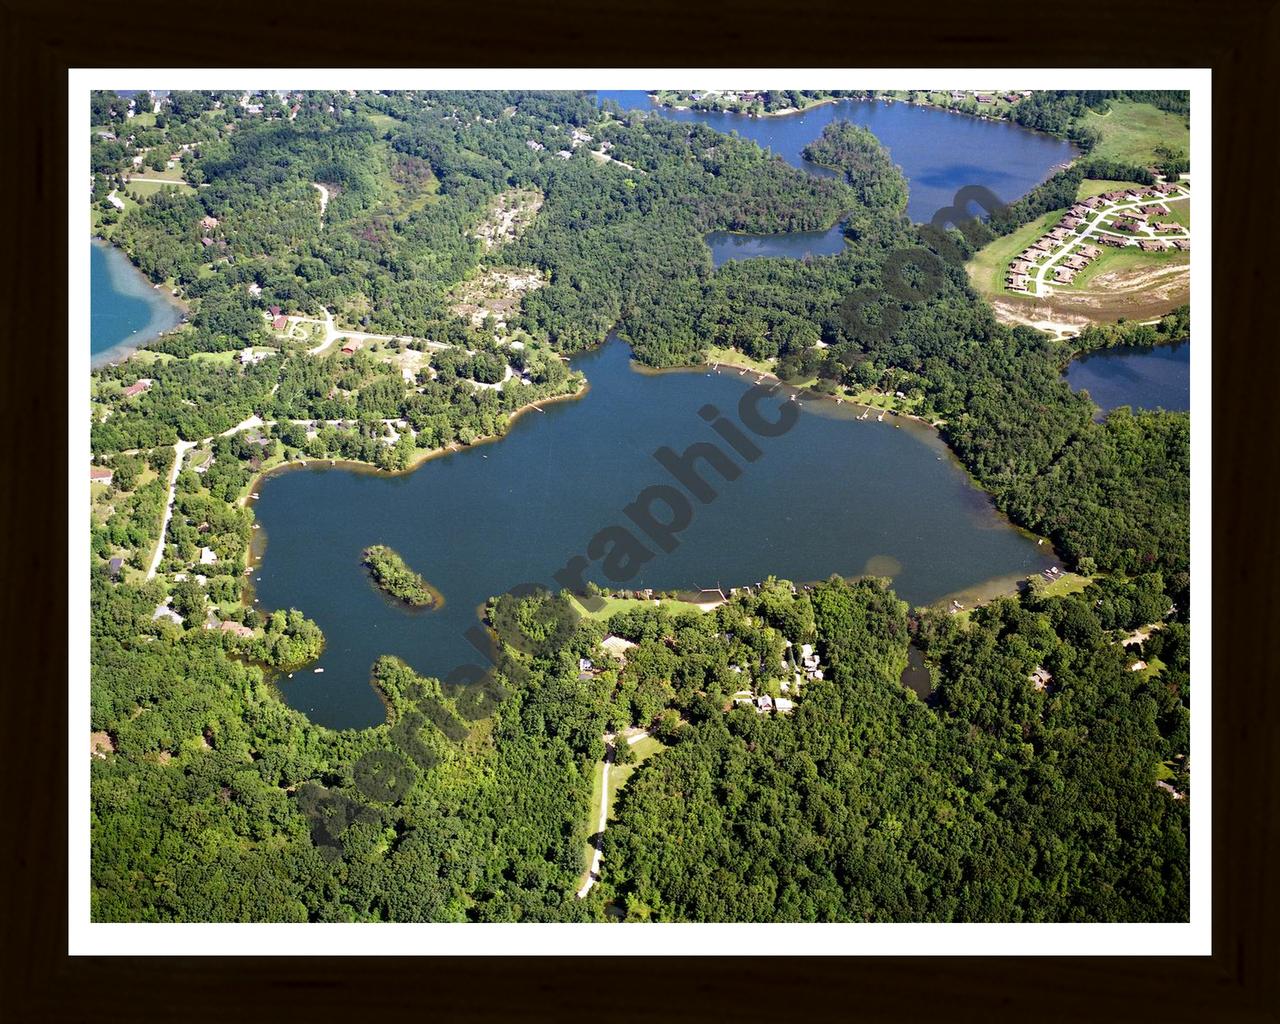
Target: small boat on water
319 670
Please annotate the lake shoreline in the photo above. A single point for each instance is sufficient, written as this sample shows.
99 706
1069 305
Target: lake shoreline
334 707
927 431
127 279
420 458
792 111
785 112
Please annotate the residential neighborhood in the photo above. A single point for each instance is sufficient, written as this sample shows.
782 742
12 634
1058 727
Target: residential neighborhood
1065 249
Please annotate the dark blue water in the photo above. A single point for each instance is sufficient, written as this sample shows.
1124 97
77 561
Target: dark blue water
831 495
939 152
125 311
732 245
1144 378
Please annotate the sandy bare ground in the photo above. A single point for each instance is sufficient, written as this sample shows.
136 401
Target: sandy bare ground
511 213
1131 294
324 199
496 291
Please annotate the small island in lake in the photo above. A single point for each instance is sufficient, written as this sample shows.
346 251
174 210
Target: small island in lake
390 573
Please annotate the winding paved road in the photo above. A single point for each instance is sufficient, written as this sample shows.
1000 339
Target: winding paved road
1096 225
332 333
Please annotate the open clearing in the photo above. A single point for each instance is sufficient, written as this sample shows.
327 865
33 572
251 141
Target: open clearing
151 187
508 216
1118 265
642 747
1067 583
496 291
1132 131
732 357
1096 186
1150 288
613 605
619 774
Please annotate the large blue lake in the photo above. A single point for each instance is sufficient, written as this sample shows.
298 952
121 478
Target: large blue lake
125 311
832 495
1143 378
939 152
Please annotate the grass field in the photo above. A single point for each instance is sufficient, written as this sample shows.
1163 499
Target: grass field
736 358
1132 131
1067 583
215 358
147 357
613 605
1154 667
173 174
1096 186
882 400
1179 213
988 266
620 774
150 188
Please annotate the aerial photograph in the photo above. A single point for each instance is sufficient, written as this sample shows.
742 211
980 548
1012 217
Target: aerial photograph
621 507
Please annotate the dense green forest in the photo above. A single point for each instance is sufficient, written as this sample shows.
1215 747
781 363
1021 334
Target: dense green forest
999 802
998 799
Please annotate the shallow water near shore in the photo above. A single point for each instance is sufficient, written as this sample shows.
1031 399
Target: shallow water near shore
126 311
